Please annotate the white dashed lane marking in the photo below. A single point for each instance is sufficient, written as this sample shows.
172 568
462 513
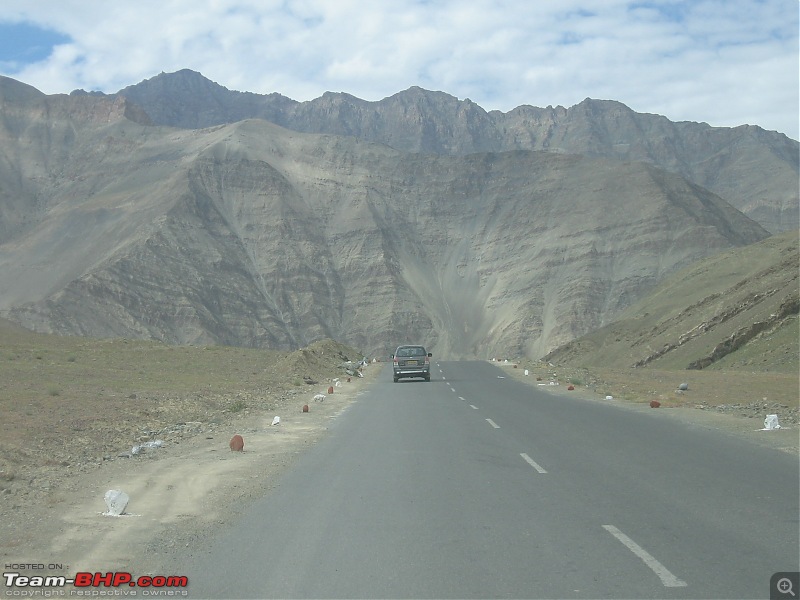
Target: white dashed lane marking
493 424
667 578
532 463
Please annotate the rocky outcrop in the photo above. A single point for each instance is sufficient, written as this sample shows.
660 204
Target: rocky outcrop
738 339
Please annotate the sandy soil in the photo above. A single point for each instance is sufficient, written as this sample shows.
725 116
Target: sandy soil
178 493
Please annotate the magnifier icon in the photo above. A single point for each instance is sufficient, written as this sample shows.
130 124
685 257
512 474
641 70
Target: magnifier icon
784 586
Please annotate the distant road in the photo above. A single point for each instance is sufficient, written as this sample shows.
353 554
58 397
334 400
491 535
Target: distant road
476 485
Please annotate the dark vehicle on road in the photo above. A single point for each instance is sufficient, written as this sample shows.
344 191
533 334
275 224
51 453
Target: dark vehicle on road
411 361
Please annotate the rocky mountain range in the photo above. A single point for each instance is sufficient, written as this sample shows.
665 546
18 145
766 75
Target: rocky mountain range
253 233
754 170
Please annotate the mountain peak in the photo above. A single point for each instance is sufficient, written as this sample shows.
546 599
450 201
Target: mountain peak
16 91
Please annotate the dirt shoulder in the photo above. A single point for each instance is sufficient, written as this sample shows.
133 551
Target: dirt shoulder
732 402
179 493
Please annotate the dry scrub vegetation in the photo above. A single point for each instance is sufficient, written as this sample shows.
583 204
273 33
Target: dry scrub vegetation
71 404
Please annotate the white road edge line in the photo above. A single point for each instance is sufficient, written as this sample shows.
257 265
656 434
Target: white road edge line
473 406
493 424
532 463
667 578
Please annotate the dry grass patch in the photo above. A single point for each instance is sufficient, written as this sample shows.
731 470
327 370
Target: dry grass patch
69 402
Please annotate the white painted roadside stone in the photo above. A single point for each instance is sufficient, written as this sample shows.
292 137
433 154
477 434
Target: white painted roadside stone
117 502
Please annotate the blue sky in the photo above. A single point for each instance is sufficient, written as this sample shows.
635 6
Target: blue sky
724 62
26 43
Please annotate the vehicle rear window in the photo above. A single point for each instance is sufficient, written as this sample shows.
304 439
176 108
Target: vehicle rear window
418 351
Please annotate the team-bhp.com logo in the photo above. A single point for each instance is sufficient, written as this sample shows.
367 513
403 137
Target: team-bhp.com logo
92 584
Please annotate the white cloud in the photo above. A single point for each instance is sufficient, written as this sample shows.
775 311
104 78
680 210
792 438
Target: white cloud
724 62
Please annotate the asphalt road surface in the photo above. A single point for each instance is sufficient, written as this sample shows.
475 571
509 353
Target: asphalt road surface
476 485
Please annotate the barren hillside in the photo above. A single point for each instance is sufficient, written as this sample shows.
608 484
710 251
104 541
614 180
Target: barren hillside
737 310
253 235
754 170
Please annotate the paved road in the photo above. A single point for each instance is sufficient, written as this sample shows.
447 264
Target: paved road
478 486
